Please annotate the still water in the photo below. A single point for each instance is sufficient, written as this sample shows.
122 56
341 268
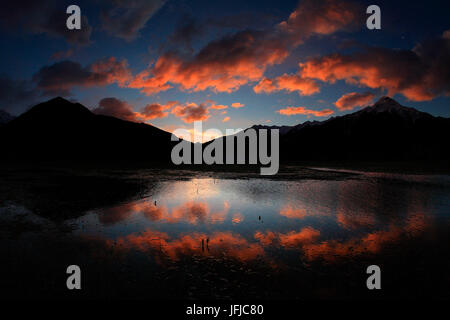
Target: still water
248 219
257 235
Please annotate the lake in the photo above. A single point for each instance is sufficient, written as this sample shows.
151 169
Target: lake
310 234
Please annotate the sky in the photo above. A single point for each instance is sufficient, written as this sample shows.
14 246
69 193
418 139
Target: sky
231 64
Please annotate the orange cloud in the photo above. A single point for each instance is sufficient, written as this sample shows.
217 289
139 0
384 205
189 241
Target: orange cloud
237 105
211 68
418 74
226 64
319 17
226 119
114 71
265 85
289 111
289 83
218 106
352 100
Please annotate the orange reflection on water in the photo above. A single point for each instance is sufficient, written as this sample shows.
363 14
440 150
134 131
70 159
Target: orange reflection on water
116 214
289 239
191 212
290 212
228 243
351 220
353 208
298 210
306 235
372 242
307 241
237 218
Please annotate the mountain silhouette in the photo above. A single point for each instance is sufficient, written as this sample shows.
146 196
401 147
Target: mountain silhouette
383 132
5 117
61 130
387 131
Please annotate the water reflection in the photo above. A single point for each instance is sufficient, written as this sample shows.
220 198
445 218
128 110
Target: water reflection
316 220
162 245
371 242
226 238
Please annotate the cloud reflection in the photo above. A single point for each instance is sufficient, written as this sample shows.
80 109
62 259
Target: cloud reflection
192 212
232 245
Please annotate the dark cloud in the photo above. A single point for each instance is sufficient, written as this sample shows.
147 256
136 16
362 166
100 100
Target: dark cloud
45 16
16 95
63 54
60 77
116 108
156 110
191 112
55 25
123 110
242 20
186 30
189 27
125 18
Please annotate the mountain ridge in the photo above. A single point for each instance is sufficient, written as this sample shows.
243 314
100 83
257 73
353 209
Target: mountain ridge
384 104
5 117
384 131
62 130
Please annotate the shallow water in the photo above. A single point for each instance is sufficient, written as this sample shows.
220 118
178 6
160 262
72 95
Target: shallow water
289 229
285 224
